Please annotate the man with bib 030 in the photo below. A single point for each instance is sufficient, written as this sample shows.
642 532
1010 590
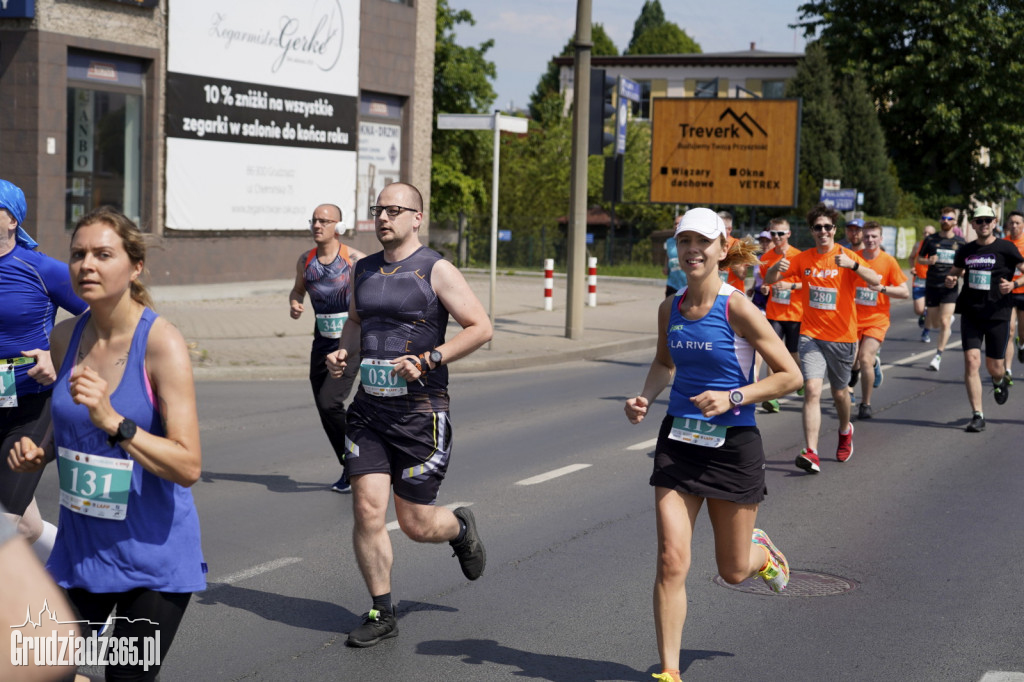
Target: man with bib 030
325 272
830 275
399 433
989 268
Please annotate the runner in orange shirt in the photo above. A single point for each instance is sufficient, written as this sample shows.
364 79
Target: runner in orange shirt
784 310
735 275
873 310
828 332
920 277
1015 235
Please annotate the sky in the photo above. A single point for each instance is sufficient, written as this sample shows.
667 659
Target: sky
528 33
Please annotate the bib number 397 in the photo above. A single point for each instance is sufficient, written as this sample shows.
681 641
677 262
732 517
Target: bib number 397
379 379
95 486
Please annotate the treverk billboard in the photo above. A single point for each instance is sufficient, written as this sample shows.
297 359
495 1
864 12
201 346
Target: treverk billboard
725 151
262 112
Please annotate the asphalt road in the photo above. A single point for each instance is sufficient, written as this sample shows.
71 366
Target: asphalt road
915 543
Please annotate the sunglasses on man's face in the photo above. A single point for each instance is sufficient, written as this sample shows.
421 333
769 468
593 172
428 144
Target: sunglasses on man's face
778 233
826 227
983 221
948 218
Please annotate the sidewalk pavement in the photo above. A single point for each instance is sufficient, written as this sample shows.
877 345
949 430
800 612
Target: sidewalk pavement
243 330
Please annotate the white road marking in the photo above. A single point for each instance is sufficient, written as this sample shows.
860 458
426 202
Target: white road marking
256 570
553 474
1001 676
454 505
646 445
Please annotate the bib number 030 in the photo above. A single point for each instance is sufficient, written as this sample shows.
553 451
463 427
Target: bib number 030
379 379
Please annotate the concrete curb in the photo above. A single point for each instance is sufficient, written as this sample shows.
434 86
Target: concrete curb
467 366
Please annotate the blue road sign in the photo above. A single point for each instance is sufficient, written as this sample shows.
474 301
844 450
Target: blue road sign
504 235
18 9
629 89
839 199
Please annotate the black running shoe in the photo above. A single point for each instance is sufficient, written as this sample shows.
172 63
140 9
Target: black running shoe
854 375
377 625
470 551
864 412
977 424
1001 391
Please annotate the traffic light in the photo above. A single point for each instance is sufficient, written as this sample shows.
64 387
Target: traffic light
601 89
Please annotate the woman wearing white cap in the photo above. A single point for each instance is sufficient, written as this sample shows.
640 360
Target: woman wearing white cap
709 447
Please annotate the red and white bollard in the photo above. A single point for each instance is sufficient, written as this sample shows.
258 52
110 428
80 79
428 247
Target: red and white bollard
592 282
549 283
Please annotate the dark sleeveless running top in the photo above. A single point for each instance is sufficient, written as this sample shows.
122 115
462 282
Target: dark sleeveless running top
401 315
328 289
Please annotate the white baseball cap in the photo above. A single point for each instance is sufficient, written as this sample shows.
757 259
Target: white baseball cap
703 221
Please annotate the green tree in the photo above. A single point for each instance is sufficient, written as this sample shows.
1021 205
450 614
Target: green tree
821 126
665 39
546 98
651 16
942 74
460 176
864 156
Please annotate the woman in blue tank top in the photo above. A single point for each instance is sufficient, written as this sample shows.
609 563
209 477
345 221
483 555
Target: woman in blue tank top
709 447
126 439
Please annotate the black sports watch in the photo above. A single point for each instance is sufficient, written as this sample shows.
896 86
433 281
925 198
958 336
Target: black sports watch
436 357
125 431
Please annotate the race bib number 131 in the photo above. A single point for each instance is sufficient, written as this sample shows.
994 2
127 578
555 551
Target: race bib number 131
95 486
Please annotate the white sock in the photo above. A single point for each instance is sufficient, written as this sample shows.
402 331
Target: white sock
44 544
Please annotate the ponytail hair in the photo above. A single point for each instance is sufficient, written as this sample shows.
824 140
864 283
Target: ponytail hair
742 252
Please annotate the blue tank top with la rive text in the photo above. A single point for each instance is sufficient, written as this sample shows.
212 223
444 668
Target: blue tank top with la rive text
328 289
400 314
32 287
708 357
157 545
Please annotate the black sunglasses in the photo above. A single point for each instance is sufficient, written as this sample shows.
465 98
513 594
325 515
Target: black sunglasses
778 233
819 228
983 220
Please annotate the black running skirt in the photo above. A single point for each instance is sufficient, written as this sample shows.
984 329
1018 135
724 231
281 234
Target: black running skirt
733 472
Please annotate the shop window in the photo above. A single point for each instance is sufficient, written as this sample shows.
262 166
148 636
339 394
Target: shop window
104 136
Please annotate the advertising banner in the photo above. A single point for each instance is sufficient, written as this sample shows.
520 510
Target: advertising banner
262 112
739 152
380 164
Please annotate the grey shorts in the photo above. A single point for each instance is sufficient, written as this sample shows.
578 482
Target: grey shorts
836 358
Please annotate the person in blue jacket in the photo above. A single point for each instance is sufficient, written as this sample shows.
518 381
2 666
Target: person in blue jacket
32 287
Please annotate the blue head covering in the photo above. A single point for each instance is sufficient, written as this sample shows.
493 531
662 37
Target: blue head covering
13 199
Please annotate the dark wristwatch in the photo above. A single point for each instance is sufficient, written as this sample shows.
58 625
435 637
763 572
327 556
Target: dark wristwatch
125 431
436 357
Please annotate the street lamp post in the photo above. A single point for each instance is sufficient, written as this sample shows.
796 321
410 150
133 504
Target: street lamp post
496 122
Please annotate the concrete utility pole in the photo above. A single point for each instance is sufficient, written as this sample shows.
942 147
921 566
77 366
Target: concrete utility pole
577 230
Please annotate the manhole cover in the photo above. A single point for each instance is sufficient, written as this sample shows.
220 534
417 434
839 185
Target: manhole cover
801 584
